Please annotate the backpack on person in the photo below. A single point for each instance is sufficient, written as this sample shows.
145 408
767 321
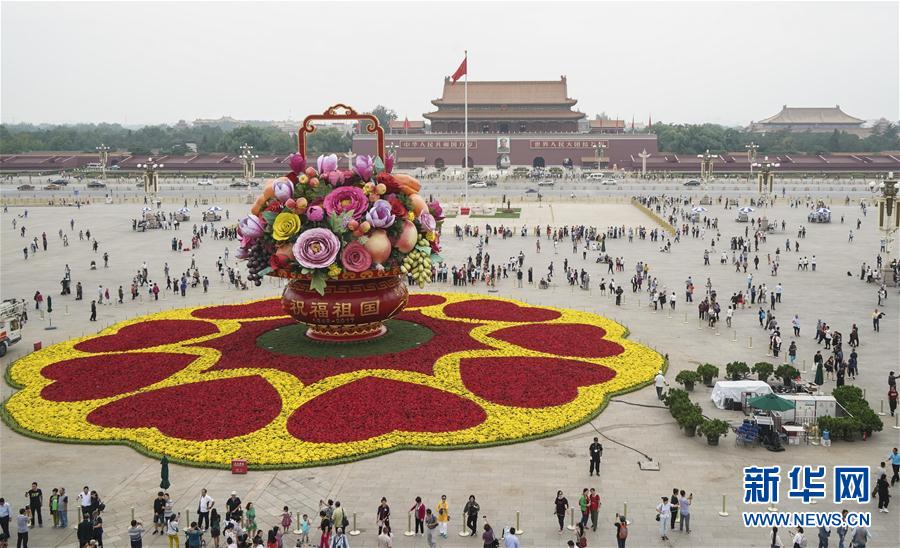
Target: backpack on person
623 532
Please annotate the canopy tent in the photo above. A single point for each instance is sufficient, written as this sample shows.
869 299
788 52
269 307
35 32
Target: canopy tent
145 209
734 389
699 209
771 402
214 208
184 210
746 209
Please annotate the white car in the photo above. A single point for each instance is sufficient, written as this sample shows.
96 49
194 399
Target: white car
608 182
478 184
546 183
205 182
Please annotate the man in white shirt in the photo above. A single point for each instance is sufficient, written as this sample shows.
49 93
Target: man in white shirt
204 506
511 540
84 499
660 382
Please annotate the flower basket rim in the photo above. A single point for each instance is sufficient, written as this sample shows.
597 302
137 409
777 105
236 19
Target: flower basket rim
345 275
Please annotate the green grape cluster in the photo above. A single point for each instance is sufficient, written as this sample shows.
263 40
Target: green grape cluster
418 263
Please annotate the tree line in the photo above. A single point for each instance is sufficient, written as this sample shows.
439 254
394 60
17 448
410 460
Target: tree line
164 139
697 138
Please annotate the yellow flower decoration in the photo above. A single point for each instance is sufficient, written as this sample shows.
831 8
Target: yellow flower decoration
286 226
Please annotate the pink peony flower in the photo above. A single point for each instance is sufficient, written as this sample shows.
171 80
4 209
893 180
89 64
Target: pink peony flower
346 198
251 227
315 213
436 210
389 163
316 248
355 257
379 215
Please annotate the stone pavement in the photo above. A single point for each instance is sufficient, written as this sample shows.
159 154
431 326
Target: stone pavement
520 477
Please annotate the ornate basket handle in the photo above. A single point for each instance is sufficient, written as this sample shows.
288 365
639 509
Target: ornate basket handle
340 112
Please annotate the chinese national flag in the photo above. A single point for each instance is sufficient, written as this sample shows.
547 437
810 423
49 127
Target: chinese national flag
460 71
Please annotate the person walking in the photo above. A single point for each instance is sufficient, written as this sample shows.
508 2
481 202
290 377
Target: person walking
662 516
488 540
876 320
673 508
511 540
471 510
93 311
584 504
882 490
595 508
660 382
430 525
799 539
383 514
86 531
892 399
135 534
596 453
561 505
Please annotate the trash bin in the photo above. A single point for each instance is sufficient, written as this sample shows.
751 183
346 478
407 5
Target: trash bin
37 346
826 435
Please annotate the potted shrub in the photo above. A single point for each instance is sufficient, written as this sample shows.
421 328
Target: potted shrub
787 373
763 370
688 378
690 420
708 372
713 429
737 370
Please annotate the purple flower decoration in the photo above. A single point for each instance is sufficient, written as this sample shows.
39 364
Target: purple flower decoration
346 198
315 213
283 189
365 167
297 162
327 164
316 248
427 222
436 210
389 163
380 215
241 253
251 227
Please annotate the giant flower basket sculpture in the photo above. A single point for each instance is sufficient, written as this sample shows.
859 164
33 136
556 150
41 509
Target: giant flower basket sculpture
342 237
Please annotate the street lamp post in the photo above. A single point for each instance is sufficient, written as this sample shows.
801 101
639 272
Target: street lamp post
888 223
103 152
151 176
249 160
706 166
643 156
599 150
751 156
766 175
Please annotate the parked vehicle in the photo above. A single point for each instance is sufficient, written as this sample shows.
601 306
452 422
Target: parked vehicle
692 182
96 184
205 182
548 182
52 186
12 318
25 187
478 184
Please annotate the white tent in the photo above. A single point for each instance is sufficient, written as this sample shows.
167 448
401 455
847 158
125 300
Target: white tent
734 389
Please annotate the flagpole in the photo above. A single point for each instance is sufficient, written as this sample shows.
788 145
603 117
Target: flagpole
466 127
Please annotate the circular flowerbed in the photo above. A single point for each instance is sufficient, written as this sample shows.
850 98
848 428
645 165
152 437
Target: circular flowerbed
206 385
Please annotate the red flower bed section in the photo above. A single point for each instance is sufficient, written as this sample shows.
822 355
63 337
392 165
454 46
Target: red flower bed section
424 299
371 406
498 311
201 411
148 334
96 377
583 341
530 382
238 353
259 309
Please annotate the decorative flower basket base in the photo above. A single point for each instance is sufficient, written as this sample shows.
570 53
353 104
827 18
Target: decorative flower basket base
351 310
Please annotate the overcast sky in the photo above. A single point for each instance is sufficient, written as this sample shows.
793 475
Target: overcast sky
723 62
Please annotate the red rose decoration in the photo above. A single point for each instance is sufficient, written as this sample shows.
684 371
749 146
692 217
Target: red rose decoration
278 262
397 207
293 177
275 206
388 180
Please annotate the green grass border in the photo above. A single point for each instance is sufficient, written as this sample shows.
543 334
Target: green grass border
15 426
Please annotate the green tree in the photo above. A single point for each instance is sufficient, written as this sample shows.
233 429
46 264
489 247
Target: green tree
385 115
328 140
